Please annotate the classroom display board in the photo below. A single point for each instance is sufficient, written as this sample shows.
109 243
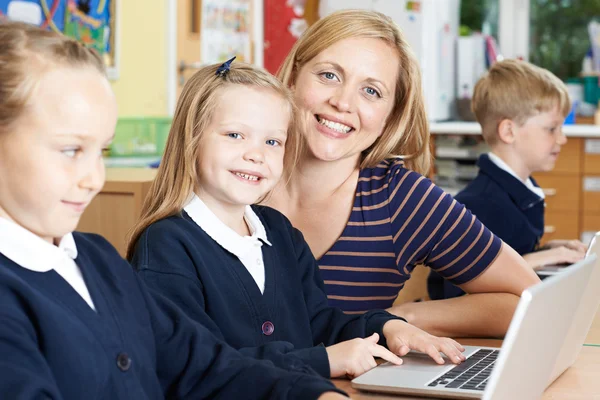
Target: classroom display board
92 22
226 31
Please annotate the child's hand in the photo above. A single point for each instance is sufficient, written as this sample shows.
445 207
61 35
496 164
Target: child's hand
555 255
355 357
402 337
575 245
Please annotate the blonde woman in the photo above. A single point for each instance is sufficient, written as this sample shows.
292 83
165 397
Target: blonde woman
358 195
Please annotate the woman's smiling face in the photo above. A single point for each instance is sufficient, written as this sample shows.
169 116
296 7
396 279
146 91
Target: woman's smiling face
347 93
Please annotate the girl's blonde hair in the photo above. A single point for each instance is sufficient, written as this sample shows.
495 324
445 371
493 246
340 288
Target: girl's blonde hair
406 132
26 52
177 175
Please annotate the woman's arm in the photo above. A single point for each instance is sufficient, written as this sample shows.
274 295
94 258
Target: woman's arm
486 311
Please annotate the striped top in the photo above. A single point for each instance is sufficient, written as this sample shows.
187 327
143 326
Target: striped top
401 219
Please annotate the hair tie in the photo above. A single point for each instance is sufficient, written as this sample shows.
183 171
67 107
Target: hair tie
224 68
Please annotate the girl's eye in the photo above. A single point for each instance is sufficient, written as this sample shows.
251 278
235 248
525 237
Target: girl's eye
234 135
372 92
273 142
71 153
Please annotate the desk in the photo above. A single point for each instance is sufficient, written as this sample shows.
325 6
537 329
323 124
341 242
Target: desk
578 382
593 336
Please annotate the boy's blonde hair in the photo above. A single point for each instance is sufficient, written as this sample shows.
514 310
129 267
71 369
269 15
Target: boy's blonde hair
516 90
406 132
26 52
177 175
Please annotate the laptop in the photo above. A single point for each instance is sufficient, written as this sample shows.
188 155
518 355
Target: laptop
548 270
525 365
582 322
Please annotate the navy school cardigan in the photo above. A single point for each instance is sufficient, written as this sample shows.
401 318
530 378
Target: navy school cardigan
290 323
138 345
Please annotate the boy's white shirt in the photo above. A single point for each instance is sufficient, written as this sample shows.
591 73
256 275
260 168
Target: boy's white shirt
504 166
246 248
35 254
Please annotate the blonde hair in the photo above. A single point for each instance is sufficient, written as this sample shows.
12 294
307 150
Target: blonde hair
516 90
406 132
26 52
177 175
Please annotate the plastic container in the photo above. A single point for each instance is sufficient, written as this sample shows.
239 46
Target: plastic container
570 119
140 137
575 89
590 89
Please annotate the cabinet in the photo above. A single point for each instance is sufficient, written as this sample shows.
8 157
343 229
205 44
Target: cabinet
562 187
590 218
117 207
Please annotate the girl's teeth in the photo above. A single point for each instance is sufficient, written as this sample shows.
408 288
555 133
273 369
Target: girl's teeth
336 126
247 177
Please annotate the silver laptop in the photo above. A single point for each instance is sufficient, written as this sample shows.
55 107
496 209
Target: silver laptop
543 340
548 270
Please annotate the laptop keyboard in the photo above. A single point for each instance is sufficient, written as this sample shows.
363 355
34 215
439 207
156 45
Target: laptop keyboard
471 374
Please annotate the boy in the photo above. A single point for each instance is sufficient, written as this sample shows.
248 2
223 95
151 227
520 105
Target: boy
521 109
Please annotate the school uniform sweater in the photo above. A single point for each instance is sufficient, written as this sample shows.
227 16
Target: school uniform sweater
289 323
507 207
134 345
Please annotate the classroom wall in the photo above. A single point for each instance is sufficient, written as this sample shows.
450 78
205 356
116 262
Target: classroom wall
141 89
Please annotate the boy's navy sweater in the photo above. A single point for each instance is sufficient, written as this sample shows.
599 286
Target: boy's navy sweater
290 323
506 207
138 345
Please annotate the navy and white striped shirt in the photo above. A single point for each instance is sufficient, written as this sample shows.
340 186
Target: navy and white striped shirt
401 219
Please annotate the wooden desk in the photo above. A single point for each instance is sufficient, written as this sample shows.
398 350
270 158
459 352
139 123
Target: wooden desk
117 207
593 336
578 382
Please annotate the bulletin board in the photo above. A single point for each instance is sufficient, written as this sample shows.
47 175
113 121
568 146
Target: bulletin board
226 31
91 22
285 21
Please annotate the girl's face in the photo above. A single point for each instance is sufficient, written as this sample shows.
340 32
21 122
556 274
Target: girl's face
241 153
51 163
347 93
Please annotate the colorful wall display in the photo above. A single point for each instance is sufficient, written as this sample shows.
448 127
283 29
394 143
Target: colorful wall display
92 22
226 30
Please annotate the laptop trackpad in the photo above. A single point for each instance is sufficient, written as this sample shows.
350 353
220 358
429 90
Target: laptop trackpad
420 362
416 361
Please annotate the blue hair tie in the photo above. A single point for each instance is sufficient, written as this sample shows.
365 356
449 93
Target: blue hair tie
224 68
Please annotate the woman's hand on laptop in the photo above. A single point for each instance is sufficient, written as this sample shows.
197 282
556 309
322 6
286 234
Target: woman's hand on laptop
355 357
403 337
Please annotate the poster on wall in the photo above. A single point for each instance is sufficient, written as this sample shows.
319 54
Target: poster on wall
285 21
226 31
91 22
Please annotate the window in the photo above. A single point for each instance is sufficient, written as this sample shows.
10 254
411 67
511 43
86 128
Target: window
558 36
480 16
550 33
